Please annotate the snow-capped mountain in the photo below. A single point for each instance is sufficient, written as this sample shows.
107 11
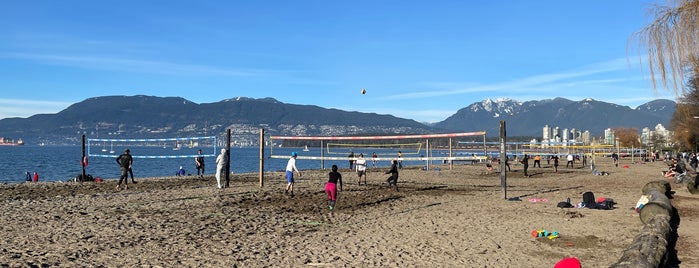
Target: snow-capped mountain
528 118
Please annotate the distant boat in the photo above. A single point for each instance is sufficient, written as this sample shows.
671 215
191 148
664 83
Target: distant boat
305 149
9 142
104 147
111 148
177 146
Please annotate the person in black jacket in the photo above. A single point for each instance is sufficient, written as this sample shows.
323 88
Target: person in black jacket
331 189
393 179
125 161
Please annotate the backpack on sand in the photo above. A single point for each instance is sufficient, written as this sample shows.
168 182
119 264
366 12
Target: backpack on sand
589 199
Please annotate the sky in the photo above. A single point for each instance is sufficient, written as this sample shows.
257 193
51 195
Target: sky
421 60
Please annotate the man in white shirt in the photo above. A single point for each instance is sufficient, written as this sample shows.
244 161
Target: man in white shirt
290 168
570 161
361 169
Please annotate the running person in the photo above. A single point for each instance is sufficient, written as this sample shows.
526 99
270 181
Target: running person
331 189
290 168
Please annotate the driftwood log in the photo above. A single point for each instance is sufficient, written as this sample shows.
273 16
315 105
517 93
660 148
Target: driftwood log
649 248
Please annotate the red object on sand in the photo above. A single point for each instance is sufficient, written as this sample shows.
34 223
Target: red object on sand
626 166
601 199
569 262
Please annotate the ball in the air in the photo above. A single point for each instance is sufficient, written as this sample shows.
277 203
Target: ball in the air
363 91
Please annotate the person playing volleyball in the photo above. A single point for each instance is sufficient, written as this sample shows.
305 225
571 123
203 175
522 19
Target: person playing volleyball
331 189
290 168
361 169
393 179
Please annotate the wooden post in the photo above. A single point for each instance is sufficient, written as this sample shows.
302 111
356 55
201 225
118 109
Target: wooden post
451 162
503 153
262 158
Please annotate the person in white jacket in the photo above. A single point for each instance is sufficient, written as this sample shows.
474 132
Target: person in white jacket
221 161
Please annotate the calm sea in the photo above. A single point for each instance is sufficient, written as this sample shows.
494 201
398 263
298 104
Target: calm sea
62 163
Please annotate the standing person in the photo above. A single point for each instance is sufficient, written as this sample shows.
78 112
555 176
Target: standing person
569 158
290 168
199 161
507 163
36 177
400 161
373 159
525 164
28 177
331 189
131 174
221 161
125 161
537 160
615 158
361 169
584 160
393 179
555 163
351 161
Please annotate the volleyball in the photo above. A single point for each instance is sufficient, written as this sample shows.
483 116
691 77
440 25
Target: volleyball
363 91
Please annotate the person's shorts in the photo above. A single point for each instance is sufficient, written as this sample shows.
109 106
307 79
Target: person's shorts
289 176
361 172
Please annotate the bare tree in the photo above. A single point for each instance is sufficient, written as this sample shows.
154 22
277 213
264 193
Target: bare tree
628 137
672 43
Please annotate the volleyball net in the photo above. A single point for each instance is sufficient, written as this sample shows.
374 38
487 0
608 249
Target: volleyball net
391 147
185 147
404 148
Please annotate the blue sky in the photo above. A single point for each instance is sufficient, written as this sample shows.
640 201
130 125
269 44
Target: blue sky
421 60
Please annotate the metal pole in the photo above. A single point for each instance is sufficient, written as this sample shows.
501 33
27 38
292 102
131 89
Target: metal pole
322 156
262 157
503 155
228 155
82 160
427 160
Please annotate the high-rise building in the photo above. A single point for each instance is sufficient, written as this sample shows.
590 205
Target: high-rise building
547 133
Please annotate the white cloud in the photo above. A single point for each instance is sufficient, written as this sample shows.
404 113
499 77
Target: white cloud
26 108
131 65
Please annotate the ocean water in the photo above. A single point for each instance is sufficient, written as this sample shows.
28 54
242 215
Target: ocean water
62 163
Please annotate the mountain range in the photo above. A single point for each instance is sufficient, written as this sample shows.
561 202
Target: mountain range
159 117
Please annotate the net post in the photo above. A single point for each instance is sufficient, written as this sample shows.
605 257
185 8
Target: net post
82 160
322 156
228 156
262 159
451 162
427 153
503 165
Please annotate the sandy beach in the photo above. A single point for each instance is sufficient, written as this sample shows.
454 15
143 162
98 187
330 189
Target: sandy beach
439 218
